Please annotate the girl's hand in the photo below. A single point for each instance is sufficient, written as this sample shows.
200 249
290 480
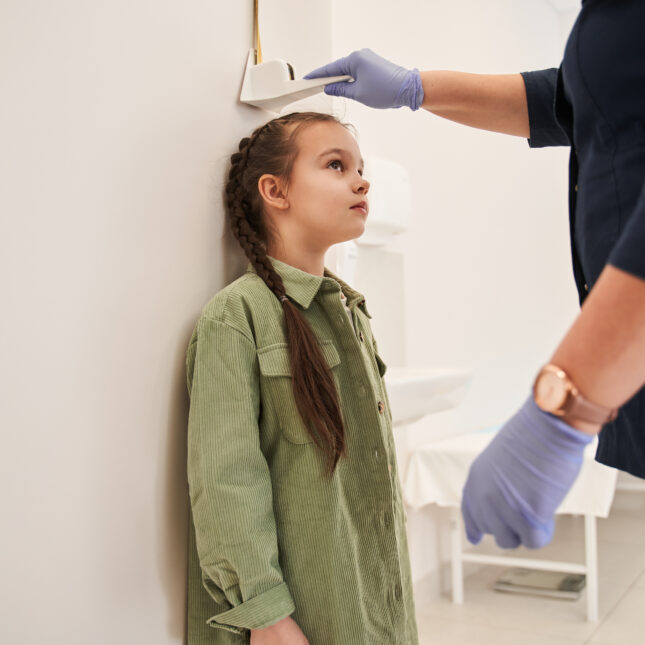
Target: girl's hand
378 83
284 632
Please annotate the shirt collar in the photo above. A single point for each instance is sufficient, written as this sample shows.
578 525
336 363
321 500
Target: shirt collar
302 287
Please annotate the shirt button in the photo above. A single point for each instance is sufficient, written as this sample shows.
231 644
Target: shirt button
575 188
586 287
375 453
381 407
389 468
360 335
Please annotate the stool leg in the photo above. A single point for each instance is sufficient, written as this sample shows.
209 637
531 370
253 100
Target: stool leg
455 553
591 551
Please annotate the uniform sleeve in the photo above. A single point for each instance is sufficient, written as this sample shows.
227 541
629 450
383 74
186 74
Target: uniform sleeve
628 253
540 97
229 482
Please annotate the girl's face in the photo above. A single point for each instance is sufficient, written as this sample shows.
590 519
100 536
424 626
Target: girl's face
317 209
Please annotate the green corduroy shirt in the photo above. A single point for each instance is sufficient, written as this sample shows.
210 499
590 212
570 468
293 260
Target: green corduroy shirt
269 535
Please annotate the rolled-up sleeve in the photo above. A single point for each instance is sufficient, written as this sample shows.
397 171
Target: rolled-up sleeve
544 129
628 253
229 481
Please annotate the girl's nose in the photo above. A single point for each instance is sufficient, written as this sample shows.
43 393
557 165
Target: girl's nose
362 184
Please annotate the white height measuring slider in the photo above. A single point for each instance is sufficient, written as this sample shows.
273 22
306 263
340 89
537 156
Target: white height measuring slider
271 85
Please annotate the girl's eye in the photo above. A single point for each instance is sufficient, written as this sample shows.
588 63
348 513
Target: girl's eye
360 172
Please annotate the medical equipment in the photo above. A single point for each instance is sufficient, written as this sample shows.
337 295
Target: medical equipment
272 85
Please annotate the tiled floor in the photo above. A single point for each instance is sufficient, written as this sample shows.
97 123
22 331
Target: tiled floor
493 618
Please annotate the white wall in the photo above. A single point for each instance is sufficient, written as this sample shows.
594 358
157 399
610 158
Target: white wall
116 120
488 270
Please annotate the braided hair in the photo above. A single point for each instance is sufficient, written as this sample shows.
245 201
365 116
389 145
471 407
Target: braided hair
271 149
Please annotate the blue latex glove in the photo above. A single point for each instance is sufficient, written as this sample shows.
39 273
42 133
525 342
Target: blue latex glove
516 484
378 83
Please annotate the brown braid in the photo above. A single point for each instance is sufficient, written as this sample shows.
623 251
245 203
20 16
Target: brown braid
271 149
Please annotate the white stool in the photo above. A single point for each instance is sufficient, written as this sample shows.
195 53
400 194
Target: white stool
590 568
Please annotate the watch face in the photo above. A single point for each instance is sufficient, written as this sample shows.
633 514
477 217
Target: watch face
550 391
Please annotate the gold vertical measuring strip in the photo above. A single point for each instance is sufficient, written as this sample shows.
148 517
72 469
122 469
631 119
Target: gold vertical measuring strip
258 45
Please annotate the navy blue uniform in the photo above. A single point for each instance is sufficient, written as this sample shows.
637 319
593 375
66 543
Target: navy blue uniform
595 103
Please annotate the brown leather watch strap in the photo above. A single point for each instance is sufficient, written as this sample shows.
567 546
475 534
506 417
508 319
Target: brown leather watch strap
580 408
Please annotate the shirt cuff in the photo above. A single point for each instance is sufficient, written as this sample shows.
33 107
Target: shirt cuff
257 612
544 130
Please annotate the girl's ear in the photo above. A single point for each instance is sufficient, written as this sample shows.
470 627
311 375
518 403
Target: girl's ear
272 191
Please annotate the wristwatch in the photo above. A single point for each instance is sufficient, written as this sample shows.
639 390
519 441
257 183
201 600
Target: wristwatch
554 392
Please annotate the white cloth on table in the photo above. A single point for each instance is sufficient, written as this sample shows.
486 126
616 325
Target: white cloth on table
437 473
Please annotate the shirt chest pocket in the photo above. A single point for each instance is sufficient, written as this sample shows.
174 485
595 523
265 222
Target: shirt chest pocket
277 387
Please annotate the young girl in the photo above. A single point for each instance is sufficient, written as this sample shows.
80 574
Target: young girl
297 531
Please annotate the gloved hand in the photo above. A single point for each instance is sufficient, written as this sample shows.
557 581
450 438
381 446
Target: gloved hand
378 83
516 484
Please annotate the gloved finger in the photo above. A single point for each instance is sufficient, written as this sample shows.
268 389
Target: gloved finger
344 89
500 519
535 537
339 67
500 523
505 537
519 515
504 534
473 534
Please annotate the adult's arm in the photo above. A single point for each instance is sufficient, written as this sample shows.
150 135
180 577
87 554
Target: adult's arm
604 351
495 102
516 104
516 484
